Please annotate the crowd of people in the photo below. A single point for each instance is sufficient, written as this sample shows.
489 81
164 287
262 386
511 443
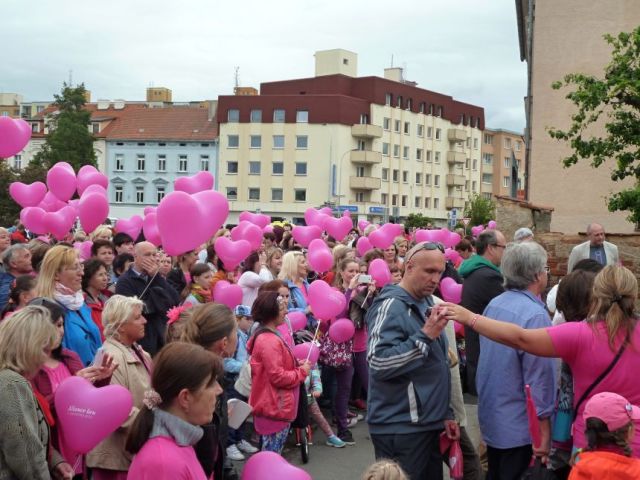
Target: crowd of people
125 313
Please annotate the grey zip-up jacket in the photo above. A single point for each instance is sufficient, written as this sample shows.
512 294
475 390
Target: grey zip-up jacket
409 375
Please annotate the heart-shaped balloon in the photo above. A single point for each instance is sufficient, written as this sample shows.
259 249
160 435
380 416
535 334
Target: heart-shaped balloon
339 228
319 256
27 195
93 209
62 182
14 136
381 238
50 203
150 229
33 219
477 230
267 229
298 320
84 249
214 208
307 350
228 294
379 271
451 291
304 235
423 235
452 255
271 466
326 302
362 225
248 231
317 217
89 175
87 415
131 226
452 240
148 210
199 182
182 223
363 246
342 330
59 223
259 219
231 253
440 236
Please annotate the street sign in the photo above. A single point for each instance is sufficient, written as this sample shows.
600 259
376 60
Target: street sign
466 221
376 210
350 208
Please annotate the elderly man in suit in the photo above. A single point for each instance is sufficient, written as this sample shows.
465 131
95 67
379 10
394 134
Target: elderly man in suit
595 248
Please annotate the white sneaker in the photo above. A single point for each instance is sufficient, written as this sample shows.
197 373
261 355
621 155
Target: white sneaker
246 447
352 422
234 454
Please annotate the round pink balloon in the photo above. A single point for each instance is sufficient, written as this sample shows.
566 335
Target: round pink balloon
61 182
248 231
342 330
304 235
301 352
451 291
232 253
27 195
298 320
87 415
271 466
199 182
477 230
452 255
93 209
379 271
319 256
229 295
325 302
131 226
363 246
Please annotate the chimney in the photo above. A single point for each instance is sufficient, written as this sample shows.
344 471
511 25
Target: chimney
103 104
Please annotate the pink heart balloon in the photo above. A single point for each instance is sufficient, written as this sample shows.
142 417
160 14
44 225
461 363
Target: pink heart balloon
148 210
304 235
33 219
379 271
342 330
94 189
249 232
87 415
91 178
150 229
298 320
339 228
84 249
13 136
440 236
232 253
131 226
393 229
61 182
319 256
27 195
381 238
268 229
307 350
59 223
229 295
316 217
363 246
325 302
477 230
214 208
181 223
451 291
259 219
326 211
199 182
93 209
50 203
452 255
270 466
362 225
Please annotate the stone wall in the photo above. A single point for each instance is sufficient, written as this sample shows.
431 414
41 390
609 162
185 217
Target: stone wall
512 214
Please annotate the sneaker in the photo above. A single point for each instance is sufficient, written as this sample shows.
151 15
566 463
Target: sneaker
352 422
234 454
334 441
359 404
246 447
347 437
357 416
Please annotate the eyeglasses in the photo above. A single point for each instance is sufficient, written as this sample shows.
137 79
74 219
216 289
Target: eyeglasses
498 245
425 246
547 269
77 267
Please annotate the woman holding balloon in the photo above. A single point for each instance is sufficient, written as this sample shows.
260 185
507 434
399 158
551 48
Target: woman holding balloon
294 273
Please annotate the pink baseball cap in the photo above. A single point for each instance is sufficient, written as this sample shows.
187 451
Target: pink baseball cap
612 409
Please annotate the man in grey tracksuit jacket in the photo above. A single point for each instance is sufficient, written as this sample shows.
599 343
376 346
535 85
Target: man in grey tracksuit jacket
409 374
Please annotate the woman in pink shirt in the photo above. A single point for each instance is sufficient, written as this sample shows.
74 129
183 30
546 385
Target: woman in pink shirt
184 396
588 347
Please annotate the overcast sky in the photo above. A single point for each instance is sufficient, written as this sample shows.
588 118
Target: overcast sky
464 48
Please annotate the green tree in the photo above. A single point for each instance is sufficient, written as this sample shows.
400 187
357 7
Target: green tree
613 100
9 210
480 210
69 139
417 220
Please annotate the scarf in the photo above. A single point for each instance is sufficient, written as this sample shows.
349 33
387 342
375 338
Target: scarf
167 425
68 298
202 295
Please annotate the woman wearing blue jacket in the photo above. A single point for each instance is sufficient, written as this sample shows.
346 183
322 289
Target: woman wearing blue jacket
294 274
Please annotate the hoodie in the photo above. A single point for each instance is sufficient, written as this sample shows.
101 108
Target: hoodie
601 465
409 376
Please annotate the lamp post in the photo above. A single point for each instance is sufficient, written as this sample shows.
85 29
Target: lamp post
339 177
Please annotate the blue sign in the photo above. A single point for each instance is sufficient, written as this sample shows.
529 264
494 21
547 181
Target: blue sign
351 208
453 218
379 210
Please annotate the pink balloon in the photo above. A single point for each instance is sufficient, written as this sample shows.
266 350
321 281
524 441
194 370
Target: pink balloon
270 466
440 236
229 294
381 238
326 211
214 208
59 223
363 245
95 188
131 226
342 330
304 235
339 228
13 136
249 232
318 218
325 302
148 210
319 256
84 249
423 236
27 195
362 225
301 351
267 229
477 230
232 253
492 225
452 240
199 182
451 291
220 285
33 219
61 182
298 320
459 329
87 415
452 255
87 178
150 228
379 271
50 203
259 219
93 209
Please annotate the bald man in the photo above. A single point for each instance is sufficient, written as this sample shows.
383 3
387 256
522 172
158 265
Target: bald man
596 248
143 281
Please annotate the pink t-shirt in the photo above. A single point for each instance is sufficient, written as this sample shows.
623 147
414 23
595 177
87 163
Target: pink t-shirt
360 340
588 354
162 459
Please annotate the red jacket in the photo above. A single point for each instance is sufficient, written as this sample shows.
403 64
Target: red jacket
275 375
599 465
96 307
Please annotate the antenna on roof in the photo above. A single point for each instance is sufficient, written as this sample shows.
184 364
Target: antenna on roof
70 77
392 60
237 77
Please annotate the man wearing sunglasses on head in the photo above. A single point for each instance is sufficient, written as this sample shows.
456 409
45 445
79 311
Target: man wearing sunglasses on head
409 376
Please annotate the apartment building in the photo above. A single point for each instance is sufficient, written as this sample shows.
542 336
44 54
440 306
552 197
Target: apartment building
378 147
499 149
10 105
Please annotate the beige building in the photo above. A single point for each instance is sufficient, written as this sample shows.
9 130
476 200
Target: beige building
378 147
499 147
159 94
557 38
10 105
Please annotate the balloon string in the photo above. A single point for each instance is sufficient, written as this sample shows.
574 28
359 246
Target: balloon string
315 336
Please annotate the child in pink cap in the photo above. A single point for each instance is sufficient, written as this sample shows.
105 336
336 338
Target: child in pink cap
609 431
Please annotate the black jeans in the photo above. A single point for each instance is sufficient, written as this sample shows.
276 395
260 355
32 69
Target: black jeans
470 459
417 453
508 463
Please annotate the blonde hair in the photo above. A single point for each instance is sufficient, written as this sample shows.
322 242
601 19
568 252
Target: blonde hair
340 252
384 470
369 229
54 261
399 241
101 230
117 311
615 290
289 270
271 254
24 336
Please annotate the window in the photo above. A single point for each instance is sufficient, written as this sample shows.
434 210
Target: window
396 151
438 133
474 164
437 159
302 116
302 142
436 180
404 199
162 163
396 175
420 131
232 141
427 179
419 154
394 200
254 194
418 178
436 203
506 182
35 127
17 161
300 194
119 162
301 168
488 139
474 186
277 168
256 116
417 201
204 163
427 202
276 194
409 103
278 141
507 143
440 111
359 171
399 101
468 142
428 156
385 174
385 149
95 128
466 163
119 194
232 167
487 195
140 162
384 198
429 132
518 145
396 126
407 128
360 197
233 115
466 185
422 107
254 168
182 163
507 162
386 123
388 99
405 176
255 141
405 152
487 178
487 158
278 116
140 194
475 143
232 193
160 193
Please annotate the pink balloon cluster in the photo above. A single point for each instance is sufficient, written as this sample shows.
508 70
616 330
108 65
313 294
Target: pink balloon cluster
444 236
14 136
317 217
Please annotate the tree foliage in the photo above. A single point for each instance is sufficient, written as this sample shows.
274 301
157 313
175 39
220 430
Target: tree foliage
417 220
69 139
613 100
480 210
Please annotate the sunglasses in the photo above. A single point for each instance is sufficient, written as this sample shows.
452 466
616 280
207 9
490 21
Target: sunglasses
425 246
